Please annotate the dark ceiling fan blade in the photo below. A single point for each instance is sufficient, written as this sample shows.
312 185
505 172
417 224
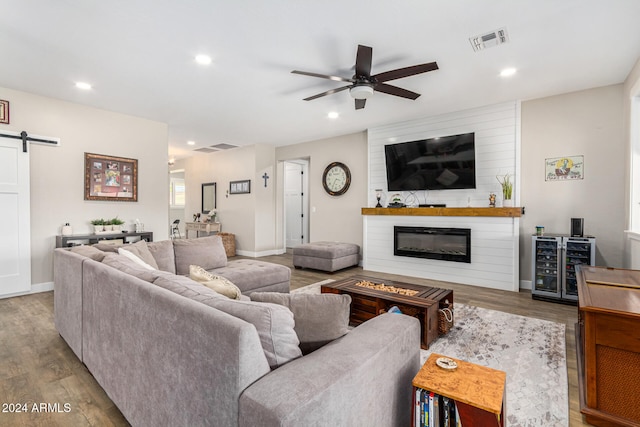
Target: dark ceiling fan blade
395 90
405 72
324 76
360 103
363 61
329 92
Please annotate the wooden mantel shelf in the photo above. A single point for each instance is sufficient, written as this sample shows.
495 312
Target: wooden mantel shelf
499 212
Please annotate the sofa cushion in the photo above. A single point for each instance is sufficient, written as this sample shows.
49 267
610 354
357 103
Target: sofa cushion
273 322
108 247
162 253
220 284
207 252
126 265
140 250
249 274
319 319
89 251
125 253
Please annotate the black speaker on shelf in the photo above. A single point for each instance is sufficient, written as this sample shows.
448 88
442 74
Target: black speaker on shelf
577 227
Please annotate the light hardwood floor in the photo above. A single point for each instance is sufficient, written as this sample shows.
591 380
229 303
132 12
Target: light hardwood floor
36 365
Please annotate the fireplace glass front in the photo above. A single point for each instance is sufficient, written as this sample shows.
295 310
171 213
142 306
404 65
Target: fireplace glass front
447 244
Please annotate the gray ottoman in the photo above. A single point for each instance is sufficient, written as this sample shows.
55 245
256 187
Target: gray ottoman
326 256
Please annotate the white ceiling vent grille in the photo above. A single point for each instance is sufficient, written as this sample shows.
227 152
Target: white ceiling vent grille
494 38
205 150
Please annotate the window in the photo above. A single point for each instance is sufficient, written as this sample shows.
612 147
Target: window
176 192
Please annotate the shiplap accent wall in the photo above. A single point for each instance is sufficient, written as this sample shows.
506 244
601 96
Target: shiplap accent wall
494 240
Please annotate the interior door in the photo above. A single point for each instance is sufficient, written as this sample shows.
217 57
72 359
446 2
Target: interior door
293 204
15 234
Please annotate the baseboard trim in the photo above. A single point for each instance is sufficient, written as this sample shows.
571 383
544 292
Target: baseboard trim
525 284
261 253
35 289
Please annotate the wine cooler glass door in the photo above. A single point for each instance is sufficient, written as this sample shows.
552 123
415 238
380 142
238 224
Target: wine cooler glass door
546 263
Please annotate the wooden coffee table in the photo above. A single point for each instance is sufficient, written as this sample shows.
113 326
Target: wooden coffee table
367 303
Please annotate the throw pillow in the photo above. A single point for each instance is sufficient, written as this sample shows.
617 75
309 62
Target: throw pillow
319 319
89 251
108 247
274 323
162 252
126 265
220 284
207 252
141 250
127 254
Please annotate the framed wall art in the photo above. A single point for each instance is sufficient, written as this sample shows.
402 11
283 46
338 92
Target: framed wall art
4 112
564 168
240 187
110 178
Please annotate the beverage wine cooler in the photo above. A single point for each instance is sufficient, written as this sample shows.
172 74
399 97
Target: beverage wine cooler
554 261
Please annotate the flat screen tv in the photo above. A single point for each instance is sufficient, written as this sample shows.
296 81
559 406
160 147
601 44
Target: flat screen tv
444 163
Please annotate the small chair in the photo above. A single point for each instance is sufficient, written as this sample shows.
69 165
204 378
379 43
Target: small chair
175 229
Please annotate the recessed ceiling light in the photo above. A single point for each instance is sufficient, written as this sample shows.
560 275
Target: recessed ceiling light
333 115
191 143
507 72
203 59
83 85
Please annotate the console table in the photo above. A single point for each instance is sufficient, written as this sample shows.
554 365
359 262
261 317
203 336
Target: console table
90 239
608 345
198 227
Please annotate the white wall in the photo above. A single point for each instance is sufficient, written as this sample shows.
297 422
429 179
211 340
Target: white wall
631 96
588 123
332 218
494 241
249 216
57 173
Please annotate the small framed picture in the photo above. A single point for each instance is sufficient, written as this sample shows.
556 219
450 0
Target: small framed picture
4 112
240 187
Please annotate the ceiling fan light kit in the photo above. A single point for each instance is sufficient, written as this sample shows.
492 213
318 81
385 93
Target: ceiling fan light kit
363 84
361 92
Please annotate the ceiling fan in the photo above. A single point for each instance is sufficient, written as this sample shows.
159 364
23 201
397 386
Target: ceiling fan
363 84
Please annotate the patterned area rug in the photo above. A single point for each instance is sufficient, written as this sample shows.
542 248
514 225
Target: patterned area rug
531 352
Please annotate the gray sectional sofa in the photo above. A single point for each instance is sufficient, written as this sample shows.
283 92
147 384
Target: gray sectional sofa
170 351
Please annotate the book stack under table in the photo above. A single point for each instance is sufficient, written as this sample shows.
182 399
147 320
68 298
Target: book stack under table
470 395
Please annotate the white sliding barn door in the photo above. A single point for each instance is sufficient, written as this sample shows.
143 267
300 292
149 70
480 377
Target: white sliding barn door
15 235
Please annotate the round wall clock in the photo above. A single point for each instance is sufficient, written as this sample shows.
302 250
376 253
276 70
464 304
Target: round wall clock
336 178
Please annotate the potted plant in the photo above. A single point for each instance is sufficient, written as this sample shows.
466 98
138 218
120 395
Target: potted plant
108 225
98 225
507 189
116 224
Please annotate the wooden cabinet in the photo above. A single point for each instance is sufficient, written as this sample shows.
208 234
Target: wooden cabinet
608 345
478 392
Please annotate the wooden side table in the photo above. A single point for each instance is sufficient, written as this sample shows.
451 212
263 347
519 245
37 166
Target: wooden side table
478 392
198 227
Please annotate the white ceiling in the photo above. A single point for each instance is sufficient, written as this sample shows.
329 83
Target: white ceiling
139 57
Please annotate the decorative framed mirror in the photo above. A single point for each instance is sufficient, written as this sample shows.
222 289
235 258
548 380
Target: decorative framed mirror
208 197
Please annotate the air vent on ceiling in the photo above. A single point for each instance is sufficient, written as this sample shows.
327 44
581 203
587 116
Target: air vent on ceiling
491 39
205 150
223 146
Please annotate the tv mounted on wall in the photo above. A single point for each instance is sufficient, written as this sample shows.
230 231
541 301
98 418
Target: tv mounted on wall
444 163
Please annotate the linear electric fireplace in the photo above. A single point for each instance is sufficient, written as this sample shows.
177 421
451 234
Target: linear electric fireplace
447 244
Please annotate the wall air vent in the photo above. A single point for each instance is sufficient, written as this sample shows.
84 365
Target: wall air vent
491 39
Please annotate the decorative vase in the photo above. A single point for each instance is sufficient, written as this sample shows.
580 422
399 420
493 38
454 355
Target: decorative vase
67 230
507 203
